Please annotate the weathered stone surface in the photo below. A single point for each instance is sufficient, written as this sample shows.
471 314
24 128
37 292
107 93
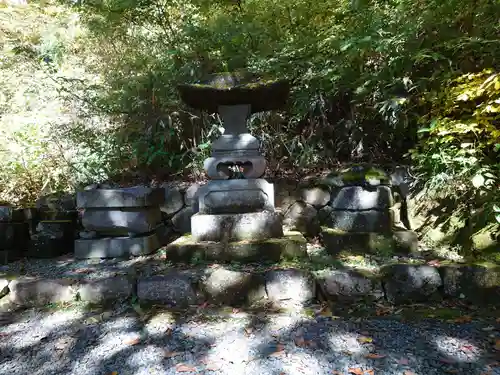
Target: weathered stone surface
236 196
36 292
404 283
191 195
360 221
181 221
173 289
108 289
4 287
405 241
336 241
290 285
475 283
359 198
302 217
230 287
118 247
236 227
349 285
174 200
88 235
316 196
45 214
137 196
128 220
291 246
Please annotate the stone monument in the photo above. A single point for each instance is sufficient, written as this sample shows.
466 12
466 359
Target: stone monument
237 203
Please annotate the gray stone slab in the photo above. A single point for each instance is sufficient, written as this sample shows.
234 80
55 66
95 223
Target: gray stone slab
191 195
236 227
172 289
290 285
118 247
360 221
302 217
108 289
142 220
244 141
29 291
405 283
317 197
236 196
349 286
229 287
174 201
360 198
137 196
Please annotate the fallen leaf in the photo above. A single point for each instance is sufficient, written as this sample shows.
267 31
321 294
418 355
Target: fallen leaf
446 360
374 356
132 341
172 354
434 263
355 371
452 371
113 373
299 341
278 351
184 368
463 319
204 305
403 361
365 340
369 372
408 373
335 372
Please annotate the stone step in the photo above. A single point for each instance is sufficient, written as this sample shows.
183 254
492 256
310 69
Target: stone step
233 285
400 241
236 227
123 247
291 246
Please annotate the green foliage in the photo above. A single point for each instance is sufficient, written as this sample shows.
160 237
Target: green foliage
459 152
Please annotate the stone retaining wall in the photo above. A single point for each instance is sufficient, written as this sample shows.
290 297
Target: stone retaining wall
397 284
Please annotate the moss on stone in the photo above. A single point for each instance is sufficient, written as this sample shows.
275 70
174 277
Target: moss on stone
292 245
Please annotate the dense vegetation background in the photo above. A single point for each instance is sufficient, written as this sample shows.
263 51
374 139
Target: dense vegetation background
87 89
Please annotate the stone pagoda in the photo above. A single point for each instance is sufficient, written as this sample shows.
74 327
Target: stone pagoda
237 203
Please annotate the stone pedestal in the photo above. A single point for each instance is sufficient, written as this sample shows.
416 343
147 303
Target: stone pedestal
236 227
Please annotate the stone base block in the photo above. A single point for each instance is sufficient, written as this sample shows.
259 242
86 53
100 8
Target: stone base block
132 220
348 286
336 241
236 227
118 247
236 196
291 246
361 221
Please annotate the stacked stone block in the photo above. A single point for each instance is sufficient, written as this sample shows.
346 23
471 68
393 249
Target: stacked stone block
14 234
120 222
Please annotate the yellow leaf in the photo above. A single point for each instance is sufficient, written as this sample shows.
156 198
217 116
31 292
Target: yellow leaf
497 345
374 356
365 340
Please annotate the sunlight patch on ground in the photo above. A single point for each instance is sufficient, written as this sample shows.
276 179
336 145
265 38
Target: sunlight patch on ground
458 349
345 342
